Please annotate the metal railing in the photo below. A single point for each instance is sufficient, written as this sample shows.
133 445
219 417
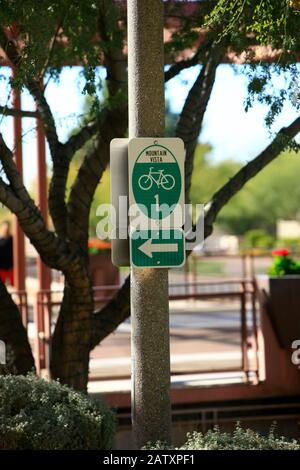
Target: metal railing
20 298
242 290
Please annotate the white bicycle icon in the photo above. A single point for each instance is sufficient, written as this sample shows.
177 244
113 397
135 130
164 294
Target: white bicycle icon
146 182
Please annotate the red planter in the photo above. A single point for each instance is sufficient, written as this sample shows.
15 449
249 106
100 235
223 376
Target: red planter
282 296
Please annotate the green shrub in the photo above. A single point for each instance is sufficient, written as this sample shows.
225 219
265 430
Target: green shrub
258 238
36 414
240 439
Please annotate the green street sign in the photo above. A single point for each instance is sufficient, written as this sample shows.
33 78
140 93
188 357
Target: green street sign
156 191
158 248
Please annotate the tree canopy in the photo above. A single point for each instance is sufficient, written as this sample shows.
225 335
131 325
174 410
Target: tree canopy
262 201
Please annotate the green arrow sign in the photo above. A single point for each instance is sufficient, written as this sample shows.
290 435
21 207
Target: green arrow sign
163 248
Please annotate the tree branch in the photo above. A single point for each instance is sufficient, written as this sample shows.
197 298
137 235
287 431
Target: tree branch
36 90
53 43
7 197
191 117
89 176
14 177
77 141
112 123
61 157
221 197
57 189
117 310
10 49
6 111
112 36
54 252
176 68
57 193
13 333
51 249
115 63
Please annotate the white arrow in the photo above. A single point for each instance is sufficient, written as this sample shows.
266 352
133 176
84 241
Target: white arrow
148 248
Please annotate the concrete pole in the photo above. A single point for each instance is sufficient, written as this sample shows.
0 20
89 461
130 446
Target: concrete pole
150 343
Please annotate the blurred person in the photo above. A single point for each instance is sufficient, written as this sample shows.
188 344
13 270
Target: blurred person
6 254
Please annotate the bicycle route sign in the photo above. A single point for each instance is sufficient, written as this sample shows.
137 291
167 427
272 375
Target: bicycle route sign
156 201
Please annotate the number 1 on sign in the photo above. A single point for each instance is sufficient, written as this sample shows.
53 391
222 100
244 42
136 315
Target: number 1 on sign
156 202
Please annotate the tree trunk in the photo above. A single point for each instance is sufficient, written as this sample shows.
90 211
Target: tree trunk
72 336
13 333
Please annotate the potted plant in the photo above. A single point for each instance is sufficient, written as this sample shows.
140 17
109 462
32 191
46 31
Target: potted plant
281 296
103 272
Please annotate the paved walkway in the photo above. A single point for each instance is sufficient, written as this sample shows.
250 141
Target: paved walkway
201 340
